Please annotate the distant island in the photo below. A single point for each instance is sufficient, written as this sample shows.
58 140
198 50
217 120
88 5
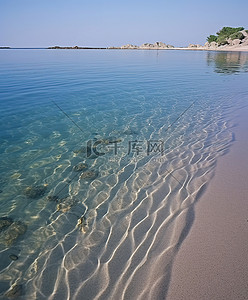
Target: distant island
75 47
4 47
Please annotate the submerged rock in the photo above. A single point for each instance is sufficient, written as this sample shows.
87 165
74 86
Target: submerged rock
35 192
65 204
80 167
12 232
130 132
53 198
90 174
64 207
15 291
83 224
5 222
13 257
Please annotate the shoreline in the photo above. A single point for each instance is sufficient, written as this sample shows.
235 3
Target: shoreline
236 49
224 49
212 261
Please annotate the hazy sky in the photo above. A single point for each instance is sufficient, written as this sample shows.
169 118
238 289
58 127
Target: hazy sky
42 23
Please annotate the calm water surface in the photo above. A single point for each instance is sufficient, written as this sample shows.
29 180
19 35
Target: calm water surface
103 155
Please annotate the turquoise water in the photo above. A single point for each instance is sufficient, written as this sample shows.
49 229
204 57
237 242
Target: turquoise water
94 234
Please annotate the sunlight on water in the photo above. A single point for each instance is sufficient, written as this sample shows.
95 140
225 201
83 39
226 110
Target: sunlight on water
103 154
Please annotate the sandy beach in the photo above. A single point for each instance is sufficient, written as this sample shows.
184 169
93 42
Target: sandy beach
231 48
212 261
236 49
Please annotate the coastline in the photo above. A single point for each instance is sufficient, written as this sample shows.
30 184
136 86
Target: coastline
225 49
236 49
212 261
230 48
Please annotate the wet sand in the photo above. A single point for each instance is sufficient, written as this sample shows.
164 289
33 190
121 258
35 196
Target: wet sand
212 262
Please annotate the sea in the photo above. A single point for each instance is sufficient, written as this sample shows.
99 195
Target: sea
104 154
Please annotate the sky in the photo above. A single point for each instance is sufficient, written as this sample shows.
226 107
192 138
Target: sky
105 23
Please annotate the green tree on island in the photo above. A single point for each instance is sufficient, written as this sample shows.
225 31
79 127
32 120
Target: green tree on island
226 33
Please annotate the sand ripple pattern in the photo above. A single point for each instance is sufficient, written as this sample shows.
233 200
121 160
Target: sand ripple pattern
136 220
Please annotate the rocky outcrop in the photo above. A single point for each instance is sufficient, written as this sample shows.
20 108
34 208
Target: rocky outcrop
210 46
245 33
146 46
129 46
244 42
236 42
231 43
157 45
195 46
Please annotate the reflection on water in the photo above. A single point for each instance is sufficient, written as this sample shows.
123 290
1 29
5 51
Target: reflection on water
228 62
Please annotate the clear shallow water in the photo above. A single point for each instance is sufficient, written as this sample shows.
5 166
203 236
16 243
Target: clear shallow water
106 237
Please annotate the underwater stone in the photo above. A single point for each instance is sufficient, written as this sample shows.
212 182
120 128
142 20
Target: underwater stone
5 222
9 235
90 174
82 224
14 292
80 167
13 257
65 204
53 198
34 192
64 207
